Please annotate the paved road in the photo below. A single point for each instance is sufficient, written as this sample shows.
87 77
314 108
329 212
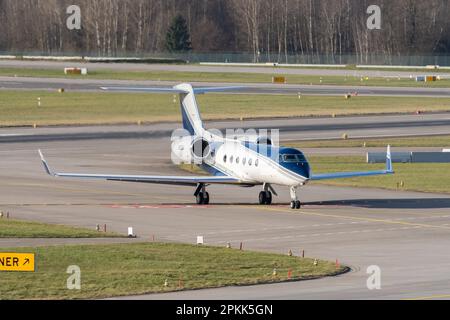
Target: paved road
92 85
221 69
291 129
406 234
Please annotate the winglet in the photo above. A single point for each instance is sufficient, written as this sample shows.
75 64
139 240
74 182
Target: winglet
46 167
389 167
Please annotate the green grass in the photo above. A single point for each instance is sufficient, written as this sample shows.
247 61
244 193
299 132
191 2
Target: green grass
430 141
223 77
21 107
425 177
131 269
23 229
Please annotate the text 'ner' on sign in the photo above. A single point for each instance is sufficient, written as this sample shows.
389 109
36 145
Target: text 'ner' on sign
20 262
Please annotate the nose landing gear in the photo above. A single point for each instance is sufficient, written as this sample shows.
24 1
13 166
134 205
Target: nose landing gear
295 203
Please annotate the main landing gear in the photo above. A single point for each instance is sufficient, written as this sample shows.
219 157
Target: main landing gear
295 203
201 196
266 197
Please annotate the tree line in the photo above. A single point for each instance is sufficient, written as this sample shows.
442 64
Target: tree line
264 28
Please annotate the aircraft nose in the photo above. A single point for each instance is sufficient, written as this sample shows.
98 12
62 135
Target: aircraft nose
304 169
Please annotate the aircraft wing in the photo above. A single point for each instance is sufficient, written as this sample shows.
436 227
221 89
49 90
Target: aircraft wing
216 89
168 180
145 90
342 175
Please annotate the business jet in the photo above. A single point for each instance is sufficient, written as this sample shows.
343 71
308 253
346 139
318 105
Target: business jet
228 161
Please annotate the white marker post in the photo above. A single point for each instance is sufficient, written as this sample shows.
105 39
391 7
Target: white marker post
200 240
130 232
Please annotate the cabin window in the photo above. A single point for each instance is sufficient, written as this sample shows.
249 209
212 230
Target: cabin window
231 159
244 161
250 161
225 158
257 162
237 160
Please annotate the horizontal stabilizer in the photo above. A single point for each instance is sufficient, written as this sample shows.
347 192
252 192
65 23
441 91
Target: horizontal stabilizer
147 90
174 90
216 89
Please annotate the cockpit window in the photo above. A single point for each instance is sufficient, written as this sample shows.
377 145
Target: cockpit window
292 158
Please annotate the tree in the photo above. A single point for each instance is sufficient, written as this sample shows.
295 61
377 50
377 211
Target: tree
178 38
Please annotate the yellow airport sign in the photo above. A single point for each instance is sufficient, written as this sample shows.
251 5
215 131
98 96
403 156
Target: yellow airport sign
281 80
19 262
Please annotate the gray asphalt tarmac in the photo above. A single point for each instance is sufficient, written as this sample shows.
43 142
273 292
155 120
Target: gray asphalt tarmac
293 129
202 68
90 85
406 234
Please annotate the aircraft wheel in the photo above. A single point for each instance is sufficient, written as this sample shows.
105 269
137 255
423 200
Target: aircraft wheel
262 198
206 198
298 204
200 198
269 198
293 205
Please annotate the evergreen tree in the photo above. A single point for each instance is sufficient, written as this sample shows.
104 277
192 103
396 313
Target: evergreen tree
178 38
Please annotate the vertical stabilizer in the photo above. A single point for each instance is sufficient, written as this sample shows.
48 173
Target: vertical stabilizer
192 120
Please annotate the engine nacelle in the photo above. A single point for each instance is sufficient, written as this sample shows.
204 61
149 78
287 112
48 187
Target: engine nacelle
190 150
200 149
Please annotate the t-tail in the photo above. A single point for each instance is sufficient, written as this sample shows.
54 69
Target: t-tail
192 120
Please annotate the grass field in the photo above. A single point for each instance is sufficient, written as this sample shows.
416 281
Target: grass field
130 269
426 177
224 77
21 107
431 141
22 229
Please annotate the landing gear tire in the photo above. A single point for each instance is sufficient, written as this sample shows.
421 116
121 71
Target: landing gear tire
269 198
206 198
265 198
296 205
202 198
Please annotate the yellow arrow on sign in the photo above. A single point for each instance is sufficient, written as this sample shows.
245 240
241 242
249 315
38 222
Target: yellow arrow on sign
20 262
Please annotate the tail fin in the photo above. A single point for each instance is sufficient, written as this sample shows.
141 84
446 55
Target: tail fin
192 121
